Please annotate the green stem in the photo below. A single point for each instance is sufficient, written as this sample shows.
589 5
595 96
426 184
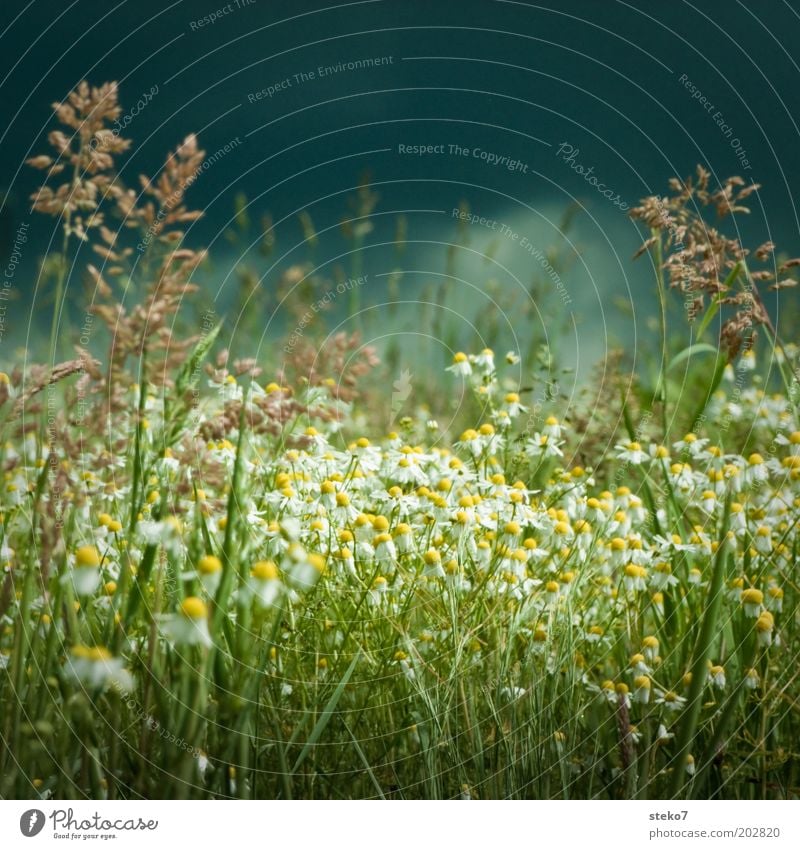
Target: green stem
686 735
658 260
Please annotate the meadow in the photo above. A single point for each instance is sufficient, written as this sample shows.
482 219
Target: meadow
223 577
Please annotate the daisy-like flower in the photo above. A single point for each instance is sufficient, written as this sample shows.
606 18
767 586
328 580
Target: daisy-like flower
327 494
542 445
631 452
86 575
650 647
385 550
757 470
488 438
379 589
792 440
317 441
641 689
682 476
513 406
618 548
189 627
692 445
774 599
552 590
469 441
432 560
670 700
621 526
302 567
597 510
511 532
747 362
95 667
265 583
209 568
716 675
461 365
658 452
168 463
661 576
765 626
662 735
343 562
553 429
635 578
752 679
762 539
709 501
484 361
15 491
605 691
670 544
403 538
228 389
402 660
752 600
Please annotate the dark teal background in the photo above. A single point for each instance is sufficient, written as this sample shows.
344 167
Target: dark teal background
602 76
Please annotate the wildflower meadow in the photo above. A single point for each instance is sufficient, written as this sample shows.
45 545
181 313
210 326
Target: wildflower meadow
227 575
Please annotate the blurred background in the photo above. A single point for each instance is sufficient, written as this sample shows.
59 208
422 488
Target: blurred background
432 176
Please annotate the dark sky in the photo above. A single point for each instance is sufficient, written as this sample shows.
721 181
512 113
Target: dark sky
514 79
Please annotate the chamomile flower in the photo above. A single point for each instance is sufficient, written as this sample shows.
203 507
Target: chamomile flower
661 577
692 445
765 627
752 601
631 452
670 700
403 538
385 550
484 361
209 569
86 576
432 564
641 689
513 406
265 584
762 539
716 676
757 470
553 429
379 589
461 365
594 634
774 599
303 568
752 679
189 626
635 578
95 667
650 647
